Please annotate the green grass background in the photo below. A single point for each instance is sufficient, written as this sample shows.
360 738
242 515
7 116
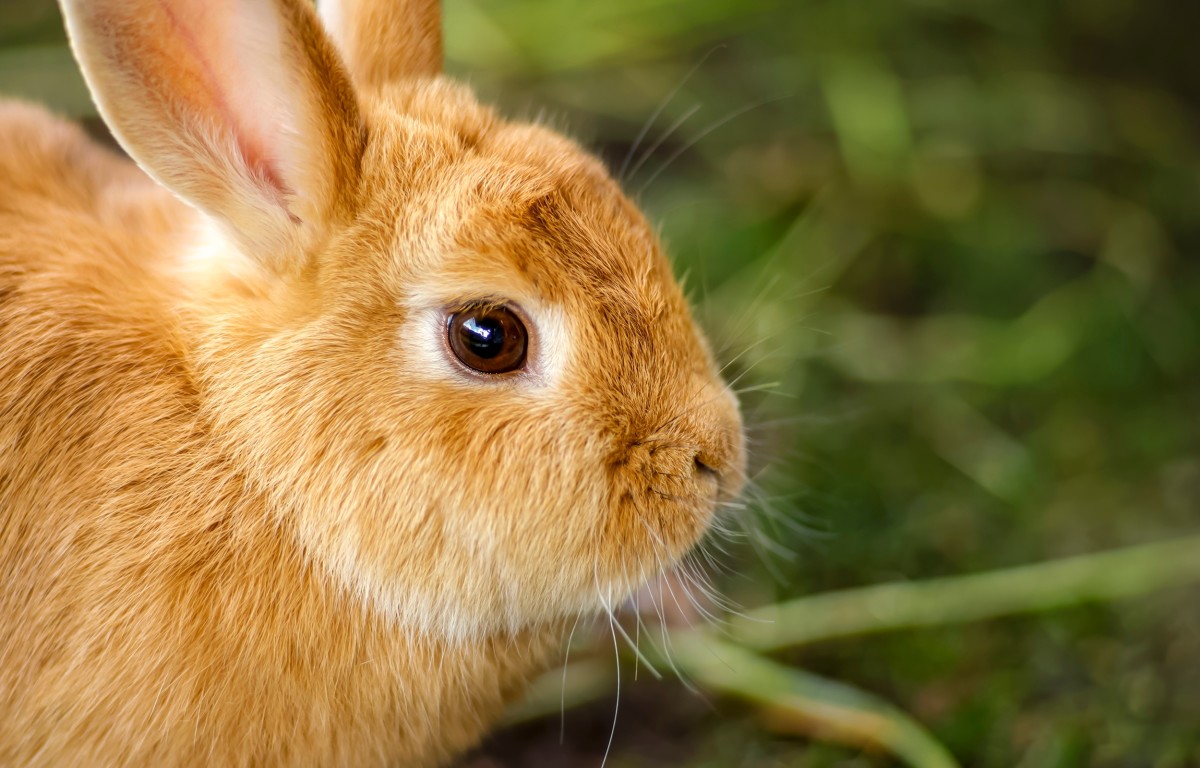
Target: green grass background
950 250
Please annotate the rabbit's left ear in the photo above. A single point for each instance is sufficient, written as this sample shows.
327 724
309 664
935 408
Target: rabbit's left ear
241 107
386 40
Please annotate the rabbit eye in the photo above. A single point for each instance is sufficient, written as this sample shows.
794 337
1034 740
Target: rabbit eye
488 339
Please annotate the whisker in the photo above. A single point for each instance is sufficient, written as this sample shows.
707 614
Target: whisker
748 314
637 652
749 348
761 545
660 606
686 585
703 134
654 117
767 386
679 121
637 631
665 645
694 571
562 700
617 698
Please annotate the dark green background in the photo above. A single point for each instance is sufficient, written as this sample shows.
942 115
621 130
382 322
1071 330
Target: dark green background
951 248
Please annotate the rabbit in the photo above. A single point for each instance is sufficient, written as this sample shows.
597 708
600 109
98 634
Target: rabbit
321 424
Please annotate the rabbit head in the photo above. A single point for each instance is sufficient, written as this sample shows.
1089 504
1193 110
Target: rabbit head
447 346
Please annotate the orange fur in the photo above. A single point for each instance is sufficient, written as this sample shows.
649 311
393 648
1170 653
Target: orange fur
251 513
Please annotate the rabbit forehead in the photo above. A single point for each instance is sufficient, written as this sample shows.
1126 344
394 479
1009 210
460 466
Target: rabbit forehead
475 200
439 166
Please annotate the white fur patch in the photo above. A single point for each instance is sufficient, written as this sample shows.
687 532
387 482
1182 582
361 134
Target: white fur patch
207 251
331 13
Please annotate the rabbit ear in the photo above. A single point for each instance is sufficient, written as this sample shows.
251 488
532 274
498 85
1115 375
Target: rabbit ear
241 107
386 40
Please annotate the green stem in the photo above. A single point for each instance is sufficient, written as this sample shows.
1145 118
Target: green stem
1025 589
802 702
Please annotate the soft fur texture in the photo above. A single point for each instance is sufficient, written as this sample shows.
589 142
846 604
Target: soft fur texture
252 511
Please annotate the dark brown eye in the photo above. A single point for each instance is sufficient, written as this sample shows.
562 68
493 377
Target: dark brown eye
488 339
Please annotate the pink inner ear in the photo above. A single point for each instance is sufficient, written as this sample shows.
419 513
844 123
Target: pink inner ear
201 30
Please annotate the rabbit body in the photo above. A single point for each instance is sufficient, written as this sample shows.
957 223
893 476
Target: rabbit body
253 511
146 581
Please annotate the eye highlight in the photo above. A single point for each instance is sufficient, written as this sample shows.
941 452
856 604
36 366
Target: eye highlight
488 339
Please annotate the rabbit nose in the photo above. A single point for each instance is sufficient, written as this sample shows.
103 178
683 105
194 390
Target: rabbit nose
704 465
719 447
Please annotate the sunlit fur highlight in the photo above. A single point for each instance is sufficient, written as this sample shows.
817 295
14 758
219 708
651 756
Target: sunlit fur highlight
251 511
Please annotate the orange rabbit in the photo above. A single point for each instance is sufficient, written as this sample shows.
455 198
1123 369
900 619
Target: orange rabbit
309 451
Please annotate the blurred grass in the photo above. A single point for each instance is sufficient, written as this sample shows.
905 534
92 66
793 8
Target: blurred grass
798 701
951 249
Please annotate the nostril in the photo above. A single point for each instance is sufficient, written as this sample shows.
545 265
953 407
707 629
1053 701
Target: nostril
703 467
